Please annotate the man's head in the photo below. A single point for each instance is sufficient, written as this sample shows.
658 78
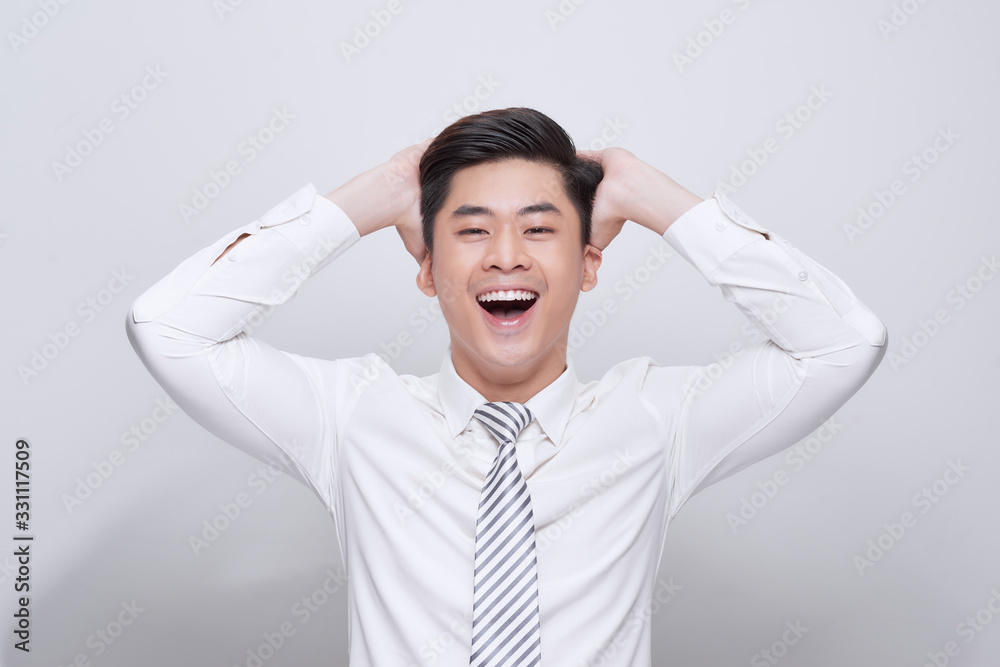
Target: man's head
504 134
506 206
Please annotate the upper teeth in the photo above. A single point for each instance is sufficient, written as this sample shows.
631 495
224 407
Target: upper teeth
508 295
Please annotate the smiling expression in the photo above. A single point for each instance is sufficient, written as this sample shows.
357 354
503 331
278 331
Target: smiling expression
508 266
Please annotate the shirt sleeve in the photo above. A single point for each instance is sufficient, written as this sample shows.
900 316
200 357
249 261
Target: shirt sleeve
192 331
819 345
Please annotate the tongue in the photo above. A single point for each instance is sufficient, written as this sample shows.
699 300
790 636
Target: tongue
508 313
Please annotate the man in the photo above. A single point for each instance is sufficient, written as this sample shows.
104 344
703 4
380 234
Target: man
500 503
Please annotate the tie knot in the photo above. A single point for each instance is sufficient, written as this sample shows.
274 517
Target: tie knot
504 419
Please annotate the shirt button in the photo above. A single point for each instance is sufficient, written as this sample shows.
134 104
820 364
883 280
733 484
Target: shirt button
232 256
803 275
305 219
720 226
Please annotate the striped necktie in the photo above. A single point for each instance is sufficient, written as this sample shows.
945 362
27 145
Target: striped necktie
505 628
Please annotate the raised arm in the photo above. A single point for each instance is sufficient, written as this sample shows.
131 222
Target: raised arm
818 343
192 329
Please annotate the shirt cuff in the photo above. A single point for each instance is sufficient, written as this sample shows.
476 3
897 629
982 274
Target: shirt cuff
711 231
308 208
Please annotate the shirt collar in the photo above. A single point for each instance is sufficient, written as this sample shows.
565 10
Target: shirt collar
551 406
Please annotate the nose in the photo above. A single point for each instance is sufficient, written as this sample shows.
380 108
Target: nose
507 249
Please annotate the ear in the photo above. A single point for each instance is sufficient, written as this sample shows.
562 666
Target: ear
425 277
591 262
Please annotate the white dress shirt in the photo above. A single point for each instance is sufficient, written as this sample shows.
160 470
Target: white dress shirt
399 460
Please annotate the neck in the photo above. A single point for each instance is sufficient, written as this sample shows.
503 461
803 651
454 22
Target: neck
517 383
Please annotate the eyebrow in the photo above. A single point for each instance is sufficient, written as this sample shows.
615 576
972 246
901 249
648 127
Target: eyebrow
468 210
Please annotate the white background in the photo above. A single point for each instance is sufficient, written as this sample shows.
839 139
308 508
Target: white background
102 541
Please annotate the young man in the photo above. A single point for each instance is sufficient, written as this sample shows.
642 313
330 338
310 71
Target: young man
540 535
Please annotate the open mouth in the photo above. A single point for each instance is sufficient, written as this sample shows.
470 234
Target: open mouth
507 304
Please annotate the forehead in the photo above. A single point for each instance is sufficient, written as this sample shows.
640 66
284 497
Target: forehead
512 183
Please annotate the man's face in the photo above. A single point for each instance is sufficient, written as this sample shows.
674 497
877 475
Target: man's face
508 226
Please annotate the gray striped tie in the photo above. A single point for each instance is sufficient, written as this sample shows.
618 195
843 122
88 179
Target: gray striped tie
505 628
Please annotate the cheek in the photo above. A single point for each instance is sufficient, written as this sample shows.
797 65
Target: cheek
451 282
449 295
562 275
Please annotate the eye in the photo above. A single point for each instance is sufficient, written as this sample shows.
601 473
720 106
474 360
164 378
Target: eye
475 231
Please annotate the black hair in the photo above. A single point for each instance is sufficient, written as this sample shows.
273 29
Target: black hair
504 134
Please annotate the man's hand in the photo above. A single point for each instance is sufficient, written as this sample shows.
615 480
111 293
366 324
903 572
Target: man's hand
388 195
403 174
611 200
634 190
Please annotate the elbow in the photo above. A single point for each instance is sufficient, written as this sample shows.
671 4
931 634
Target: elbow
145 334
876 351
878 343
873 339
135 332
883 340
154 344
143 321
861 360
854 363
